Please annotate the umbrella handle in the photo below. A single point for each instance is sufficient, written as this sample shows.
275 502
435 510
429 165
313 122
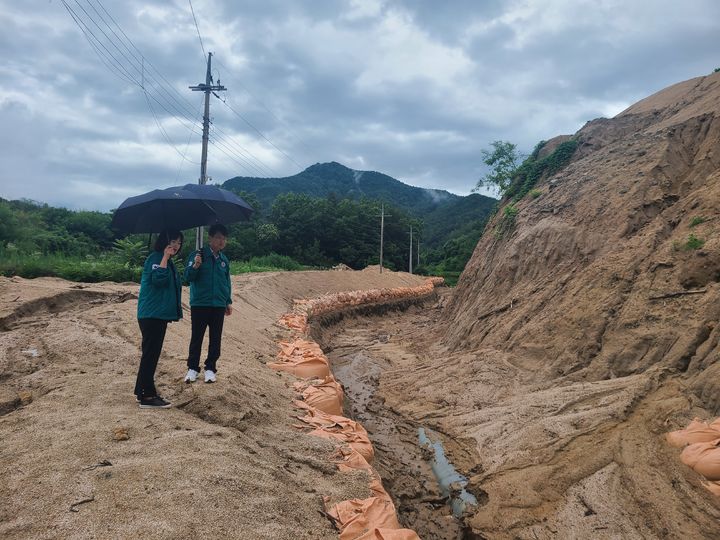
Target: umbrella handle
199 233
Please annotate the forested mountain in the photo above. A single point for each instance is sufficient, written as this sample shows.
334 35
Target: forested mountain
322 179
442 213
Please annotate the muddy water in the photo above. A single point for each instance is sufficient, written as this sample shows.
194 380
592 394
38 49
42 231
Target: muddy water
428 492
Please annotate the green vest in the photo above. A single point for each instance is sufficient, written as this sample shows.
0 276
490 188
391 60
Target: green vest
209 284
160 290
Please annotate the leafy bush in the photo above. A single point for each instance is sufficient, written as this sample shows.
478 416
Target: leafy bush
533 169
535 193
130 252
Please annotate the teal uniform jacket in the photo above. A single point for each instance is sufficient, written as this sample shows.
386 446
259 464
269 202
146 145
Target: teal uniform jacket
160 290
209 284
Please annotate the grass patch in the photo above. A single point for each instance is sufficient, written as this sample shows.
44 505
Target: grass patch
693 242
73 268
534 193
109 267
266 263
507 221
697 220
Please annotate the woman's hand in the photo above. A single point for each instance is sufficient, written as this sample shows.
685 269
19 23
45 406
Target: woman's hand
198 261
170 251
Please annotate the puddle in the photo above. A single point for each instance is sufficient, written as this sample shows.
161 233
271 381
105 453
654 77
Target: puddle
452 483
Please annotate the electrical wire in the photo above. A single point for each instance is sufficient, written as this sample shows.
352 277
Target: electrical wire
270 112
198 30
153 89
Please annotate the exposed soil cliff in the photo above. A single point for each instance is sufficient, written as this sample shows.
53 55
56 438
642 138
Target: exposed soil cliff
579 336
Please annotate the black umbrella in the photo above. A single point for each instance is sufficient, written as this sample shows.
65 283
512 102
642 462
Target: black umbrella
180 207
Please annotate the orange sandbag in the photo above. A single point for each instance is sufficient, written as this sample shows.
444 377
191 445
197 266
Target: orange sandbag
704 458
295 321
350 435
389 534
342 429
712 487
327 396
349 459
697 431
360 516
302 358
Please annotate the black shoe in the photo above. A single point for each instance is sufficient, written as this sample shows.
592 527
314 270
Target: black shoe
154 403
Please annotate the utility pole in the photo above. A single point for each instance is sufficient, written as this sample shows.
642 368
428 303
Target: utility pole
207 88
410 258
382 232
418 252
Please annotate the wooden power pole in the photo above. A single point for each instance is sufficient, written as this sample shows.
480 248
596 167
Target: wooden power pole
207 88
410 257
383 215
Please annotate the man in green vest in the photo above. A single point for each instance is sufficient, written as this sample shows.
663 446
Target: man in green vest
208 272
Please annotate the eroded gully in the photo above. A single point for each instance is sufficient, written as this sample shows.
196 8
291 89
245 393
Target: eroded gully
413 458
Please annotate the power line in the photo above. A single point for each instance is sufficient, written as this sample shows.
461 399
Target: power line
261 134
152 88
198 30
258 100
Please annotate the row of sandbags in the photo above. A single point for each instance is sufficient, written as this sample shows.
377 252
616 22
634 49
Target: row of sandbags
335 301
700 442
373 518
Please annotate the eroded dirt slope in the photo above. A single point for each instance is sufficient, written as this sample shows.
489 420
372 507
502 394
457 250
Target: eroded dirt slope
575 341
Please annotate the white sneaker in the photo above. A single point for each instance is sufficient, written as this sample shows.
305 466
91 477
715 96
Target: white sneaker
209 375
191 376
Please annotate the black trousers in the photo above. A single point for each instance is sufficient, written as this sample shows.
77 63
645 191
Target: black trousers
201 318
153 335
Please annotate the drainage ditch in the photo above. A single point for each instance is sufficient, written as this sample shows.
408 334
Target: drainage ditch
430 495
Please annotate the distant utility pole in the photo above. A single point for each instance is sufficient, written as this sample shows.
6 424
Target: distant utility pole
207 88
410 258
418 252
382 233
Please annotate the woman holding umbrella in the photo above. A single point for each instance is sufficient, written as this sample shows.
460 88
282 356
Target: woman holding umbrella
158 304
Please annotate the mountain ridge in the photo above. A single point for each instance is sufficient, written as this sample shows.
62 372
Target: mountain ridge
441 211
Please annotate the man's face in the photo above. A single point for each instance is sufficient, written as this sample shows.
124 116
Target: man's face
217 242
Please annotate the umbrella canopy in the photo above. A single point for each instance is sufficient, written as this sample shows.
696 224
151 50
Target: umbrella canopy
179 207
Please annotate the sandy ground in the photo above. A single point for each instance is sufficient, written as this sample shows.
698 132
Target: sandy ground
224 462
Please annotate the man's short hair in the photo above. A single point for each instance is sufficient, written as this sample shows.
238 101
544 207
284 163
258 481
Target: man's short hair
217 228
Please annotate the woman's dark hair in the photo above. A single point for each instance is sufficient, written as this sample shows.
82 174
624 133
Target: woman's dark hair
164 238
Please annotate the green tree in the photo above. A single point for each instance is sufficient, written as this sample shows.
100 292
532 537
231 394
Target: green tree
503 160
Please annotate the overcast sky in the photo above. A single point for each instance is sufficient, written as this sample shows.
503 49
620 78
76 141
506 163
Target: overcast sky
411 88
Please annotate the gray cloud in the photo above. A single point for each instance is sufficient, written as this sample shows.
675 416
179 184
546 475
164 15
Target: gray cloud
411 89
